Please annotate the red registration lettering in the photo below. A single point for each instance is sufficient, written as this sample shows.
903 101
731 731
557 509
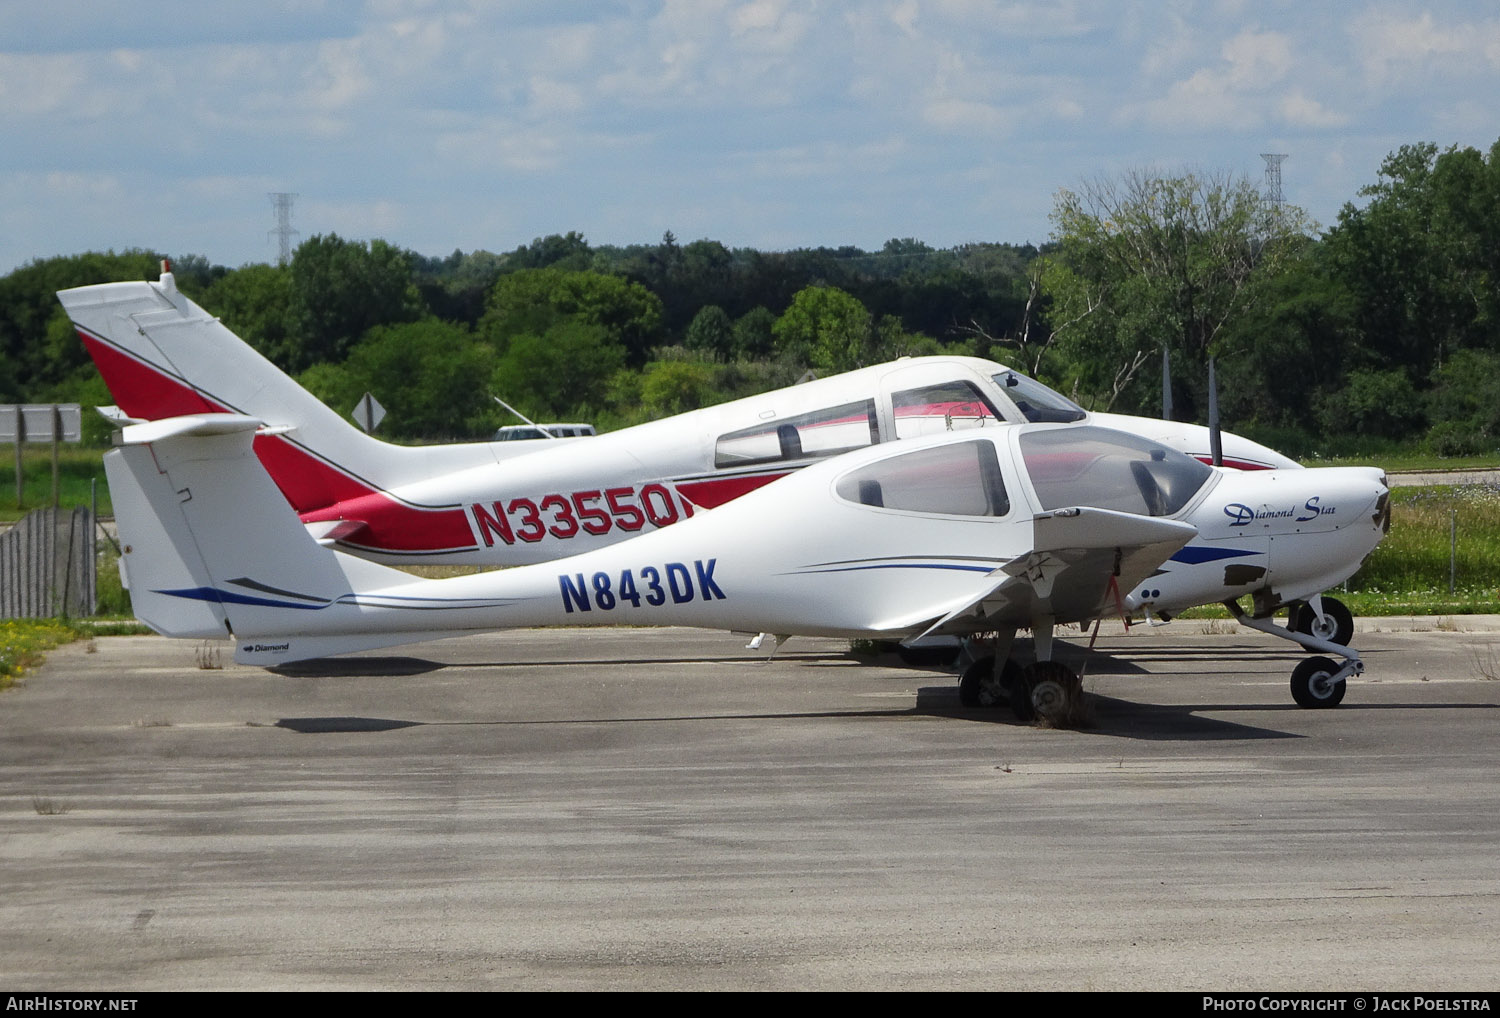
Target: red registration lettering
494 526
531 528
627 517
563 516
595 520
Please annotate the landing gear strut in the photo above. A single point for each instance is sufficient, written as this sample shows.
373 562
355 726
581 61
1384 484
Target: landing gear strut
1045 689
1318 681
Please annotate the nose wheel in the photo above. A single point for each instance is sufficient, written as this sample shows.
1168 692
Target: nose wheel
1318 681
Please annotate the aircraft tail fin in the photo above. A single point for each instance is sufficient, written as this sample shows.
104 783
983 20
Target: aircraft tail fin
164 356
211 549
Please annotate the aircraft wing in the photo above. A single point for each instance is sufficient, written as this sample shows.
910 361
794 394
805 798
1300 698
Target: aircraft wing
1066 576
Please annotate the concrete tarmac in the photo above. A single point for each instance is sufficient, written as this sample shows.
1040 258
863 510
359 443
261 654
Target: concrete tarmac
666 810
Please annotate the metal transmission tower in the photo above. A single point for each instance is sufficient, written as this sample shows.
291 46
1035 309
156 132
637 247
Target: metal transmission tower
1273 177
284 233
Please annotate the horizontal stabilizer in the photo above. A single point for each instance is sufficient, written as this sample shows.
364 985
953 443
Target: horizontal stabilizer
271 651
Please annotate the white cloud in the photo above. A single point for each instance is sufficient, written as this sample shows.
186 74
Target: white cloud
966 116
1298 110
1247 88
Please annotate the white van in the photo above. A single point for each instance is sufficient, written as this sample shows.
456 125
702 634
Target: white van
523 432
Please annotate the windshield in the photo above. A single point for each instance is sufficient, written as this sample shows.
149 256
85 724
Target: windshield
1039 403
1108 469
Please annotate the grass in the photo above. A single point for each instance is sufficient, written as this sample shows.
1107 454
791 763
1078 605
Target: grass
76 467
1440 536
1406 460
23 642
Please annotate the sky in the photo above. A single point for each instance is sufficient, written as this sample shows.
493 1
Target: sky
774 124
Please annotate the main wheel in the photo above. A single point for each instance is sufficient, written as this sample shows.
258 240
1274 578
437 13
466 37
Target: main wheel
1047 689
978 687
1312 684
1337 625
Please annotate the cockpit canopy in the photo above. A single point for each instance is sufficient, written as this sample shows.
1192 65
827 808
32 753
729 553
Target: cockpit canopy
1106 469
1069 466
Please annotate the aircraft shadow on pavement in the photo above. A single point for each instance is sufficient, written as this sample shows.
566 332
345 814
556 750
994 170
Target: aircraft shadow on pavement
1109 716
356 667
331 726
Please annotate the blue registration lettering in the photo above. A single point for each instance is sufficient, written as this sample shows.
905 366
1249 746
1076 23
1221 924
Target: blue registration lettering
655 596
572 594
628 591
706 580
684 593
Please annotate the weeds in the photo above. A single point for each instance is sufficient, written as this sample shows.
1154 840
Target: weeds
46 807
209 657
1486 663
23 641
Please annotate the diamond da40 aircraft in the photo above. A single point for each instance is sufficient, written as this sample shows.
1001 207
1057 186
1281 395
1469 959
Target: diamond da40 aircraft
961 533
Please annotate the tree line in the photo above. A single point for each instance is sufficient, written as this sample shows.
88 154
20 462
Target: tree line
1382 328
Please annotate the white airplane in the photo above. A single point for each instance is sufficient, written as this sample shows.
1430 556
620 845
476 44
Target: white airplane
987 531
514 503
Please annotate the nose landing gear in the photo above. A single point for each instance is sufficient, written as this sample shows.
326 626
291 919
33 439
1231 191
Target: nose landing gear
1318 681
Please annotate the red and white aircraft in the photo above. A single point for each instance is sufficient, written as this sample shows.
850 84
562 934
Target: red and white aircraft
956 533
513 503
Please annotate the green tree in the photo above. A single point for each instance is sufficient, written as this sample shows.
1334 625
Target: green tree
429 375
1148 263
39 346
564 371
534 300
568 252
824 328
675 387
255 302
1464 404
339 290
711 332
1421 257
753 337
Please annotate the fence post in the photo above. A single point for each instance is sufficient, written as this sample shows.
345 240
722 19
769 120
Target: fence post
20 443
1452 551
56 452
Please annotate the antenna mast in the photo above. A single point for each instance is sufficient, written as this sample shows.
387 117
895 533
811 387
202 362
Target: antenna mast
283 232
1273 193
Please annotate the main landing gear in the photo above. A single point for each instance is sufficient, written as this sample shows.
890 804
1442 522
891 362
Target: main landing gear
1045 689
1319 623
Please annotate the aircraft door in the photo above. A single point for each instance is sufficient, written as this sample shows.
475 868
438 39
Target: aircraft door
927 399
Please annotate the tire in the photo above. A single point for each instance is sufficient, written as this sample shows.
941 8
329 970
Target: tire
1047 689
978 688
1310 685
1338 626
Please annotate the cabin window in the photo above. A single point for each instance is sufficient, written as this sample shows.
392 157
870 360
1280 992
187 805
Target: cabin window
946 406
960 479
1108 469
806 436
